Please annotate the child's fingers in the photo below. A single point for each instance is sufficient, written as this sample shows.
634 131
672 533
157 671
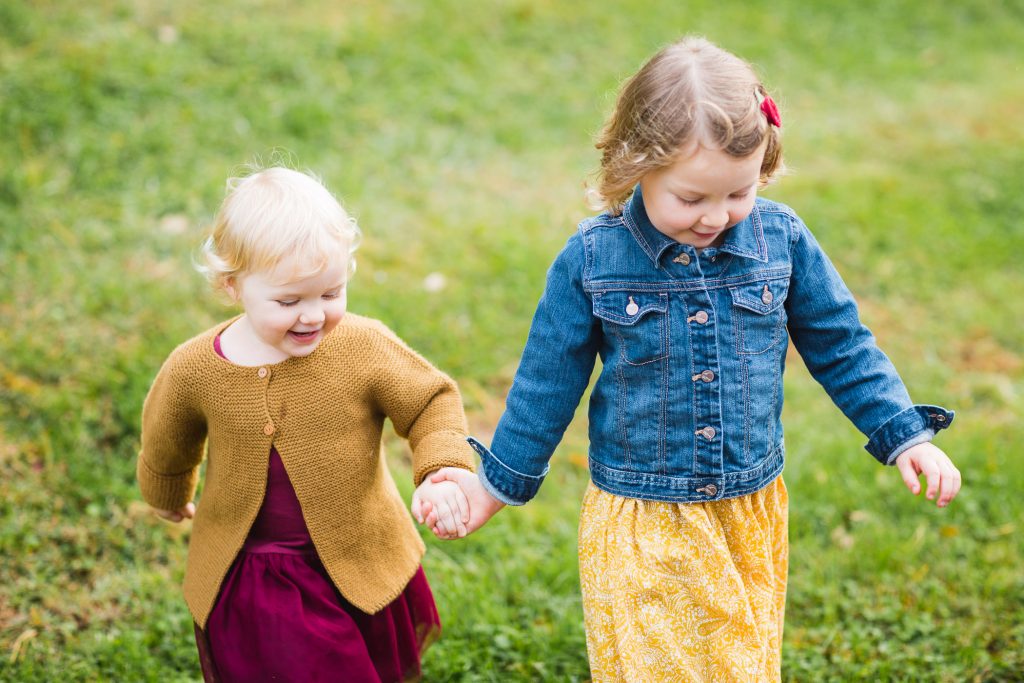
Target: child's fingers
462 502
416 508
189 510
429 513
909 475
447 518
441 475
950 485
933 479
169 515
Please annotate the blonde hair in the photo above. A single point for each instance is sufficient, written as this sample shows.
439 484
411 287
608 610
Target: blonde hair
691 92
273 215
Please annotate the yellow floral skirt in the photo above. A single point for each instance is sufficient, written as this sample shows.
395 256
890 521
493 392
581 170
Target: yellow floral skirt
684 591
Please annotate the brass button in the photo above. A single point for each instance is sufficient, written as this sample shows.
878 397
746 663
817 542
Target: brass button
682 258
766 296
708 433
701 317
268 429
262 372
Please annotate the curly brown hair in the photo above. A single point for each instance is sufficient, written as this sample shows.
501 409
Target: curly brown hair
691 92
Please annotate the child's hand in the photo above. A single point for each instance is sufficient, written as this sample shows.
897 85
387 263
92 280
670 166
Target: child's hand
445 504
176 515
482 505
942 477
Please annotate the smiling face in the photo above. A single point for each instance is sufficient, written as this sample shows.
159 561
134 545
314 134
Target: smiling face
695 199
288 320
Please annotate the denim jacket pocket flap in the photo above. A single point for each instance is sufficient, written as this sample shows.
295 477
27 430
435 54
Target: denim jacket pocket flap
760 297
627 308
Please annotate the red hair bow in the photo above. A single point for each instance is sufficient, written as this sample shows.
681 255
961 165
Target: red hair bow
771 112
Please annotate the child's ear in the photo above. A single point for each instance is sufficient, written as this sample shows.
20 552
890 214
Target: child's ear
232 288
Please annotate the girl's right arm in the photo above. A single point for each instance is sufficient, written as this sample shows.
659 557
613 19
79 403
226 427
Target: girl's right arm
173 434
553 373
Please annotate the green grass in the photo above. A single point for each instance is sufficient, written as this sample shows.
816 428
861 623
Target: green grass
460 135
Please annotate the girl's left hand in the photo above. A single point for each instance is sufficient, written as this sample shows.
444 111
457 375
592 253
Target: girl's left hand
186 512
448 501
942 476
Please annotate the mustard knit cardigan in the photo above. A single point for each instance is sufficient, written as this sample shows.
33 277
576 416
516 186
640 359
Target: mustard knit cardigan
324 413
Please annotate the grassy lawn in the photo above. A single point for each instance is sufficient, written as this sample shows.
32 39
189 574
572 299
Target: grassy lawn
460 134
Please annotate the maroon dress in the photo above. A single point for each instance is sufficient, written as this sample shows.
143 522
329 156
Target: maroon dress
279 617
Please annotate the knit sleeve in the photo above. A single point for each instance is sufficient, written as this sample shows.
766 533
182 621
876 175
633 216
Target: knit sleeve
425 407
173 435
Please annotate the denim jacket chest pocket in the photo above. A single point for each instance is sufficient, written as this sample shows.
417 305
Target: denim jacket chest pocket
759 316
636 322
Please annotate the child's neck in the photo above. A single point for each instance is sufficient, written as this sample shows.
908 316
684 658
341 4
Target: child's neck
240 345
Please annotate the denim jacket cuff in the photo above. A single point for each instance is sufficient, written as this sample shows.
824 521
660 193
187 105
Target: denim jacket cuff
503 482
905 429
923 437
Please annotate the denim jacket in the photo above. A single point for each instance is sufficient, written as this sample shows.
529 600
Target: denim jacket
688 403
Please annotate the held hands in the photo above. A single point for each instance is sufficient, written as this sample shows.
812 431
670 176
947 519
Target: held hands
941 475
176 515
482 505
445 504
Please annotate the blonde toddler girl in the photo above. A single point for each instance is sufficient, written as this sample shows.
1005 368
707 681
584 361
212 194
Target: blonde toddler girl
303 562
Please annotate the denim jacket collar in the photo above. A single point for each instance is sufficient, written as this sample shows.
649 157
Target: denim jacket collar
745 239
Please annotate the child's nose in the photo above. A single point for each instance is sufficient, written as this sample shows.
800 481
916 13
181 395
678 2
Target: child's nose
312 316
715 218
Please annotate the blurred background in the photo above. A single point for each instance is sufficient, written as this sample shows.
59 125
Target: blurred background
461 135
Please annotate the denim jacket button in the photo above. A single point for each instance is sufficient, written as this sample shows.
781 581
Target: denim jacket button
707 432
709 490
707 376
766 296
682 258
701 317
631 307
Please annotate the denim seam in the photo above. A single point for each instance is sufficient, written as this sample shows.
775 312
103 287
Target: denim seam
666 377
676 284
588 247
620 418
634 230
775 402
695 441
747 422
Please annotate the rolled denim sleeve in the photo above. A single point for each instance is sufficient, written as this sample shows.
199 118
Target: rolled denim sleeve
842 355
553 373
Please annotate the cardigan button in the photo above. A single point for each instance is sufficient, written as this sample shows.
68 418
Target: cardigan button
268 429
263 372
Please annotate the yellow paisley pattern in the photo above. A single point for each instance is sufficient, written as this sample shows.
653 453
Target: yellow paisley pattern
684 592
